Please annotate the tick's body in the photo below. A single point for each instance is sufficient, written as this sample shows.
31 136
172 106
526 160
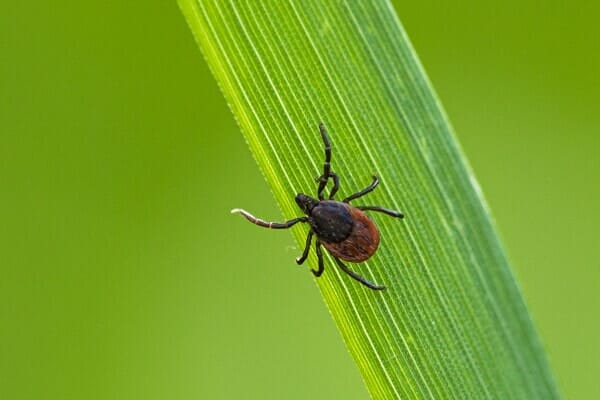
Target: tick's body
344 230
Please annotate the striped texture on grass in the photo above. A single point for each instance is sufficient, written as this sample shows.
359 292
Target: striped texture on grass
452 323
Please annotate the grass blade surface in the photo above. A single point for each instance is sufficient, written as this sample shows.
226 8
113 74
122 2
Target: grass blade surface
452 323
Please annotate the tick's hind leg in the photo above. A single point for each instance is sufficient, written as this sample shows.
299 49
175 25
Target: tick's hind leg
319 271
270 225
392 213
359 278
366 190
302 258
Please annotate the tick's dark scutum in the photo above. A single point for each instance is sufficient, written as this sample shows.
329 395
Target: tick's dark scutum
331 221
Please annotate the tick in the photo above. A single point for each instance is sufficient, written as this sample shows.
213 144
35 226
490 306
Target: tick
343 229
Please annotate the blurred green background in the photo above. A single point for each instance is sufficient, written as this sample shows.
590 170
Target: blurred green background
122 273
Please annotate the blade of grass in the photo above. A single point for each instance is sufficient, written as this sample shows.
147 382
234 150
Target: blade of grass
452 323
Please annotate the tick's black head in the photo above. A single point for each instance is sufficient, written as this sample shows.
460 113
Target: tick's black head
306 203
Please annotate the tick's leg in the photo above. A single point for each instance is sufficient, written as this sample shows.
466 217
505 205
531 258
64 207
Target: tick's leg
326 166
359 278
366 190
393 213
319 272
270 225
302 258
336 185
334 189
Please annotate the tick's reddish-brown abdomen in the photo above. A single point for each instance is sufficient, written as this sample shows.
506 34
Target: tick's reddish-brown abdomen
362 242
